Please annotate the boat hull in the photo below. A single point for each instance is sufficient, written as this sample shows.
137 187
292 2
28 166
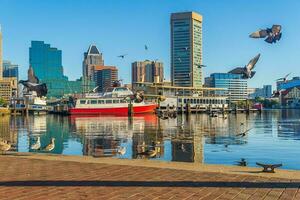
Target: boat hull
139 109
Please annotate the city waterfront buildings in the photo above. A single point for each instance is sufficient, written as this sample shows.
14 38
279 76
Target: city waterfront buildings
92 58
1 59
46 62
290 98
147 71
186 49
264 92
236 87
104 77
10 70
288 84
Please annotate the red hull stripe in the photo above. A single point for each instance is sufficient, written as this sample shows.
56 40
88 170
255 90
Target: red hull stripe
122 110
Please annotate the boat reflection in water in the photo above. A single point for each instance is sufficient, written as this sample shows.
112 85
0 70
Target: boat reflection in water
274 137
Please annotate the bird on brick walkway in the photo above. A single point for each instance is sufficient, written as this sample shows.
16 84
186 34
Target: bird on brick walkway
37 145
50 146
4 146
121 150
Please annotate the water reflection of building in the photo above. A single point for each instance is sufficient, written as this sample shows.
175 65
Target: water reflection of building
103 135
8 131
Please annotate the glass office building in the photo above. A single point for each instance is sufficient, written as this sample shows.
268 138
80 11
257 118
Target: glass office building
236 87
46 62
186 49
10 70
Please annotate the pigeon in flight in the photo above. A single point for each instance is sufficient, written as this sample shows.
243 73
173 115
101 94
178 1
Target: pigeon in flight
247 70
122 56
272 35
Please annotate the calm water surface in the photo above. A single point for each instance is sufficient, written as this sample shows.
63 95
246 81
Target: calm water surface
274 137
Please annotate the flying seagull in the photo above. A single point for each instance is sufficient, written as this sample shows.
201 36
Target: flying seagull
122 56
272 35
284 79
243 134
247 70
185 48
146 47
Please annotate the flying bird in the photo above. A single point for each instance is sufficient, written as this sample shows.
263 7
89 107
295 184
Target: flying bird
32 84
243 134
146 47
284 79
185 48
247 70
37 145
272 35
242 162
122 56
200 66
179 59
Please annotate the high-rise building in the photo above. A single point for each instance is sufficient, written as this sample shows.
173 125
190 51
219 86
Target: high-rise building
10 70
92 58
186 49
235 86
1 60
45 60
46 63
104 76
147 71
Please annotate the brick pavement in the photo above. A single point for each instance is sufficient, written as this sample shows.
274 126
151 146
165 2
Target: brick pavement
34 179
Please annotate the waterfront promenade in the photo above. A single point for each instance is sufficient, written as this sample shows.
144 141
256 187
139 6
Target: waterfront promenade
29 176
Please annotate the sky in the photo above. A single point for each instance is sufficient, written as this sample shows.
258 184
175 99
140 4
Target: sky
125 26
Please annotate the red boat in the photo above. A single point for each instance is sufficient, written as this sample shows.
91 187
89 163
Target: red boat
116 100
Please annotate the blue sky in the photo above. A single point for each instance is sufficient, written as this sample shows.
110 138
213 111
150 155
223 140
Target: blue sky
125 26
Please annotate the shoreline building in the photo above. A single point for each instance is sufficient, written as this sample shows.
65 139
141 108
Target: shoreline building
147 72
46 62
236 87
10 70
91 58
264 92
104 77
284 85
186 49
8 85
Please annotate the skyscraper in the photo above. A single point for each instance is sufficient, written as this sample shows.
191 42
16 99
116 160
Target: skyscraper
92 58
104 76
46 61
1 60
186 49
147 71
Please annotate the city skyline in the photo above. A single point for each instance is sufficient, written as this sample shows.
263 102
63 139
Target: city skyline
223 48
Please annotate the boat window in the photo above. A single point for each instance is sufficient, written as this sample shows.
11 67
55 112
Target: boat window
101 102
108 101
179 100
184 101
116 101
123 101
198 101
82 101
93 101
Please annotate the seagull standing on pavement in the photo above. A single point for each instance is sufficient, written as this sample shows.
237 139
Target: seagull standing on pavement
37 145
50 146
4 146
